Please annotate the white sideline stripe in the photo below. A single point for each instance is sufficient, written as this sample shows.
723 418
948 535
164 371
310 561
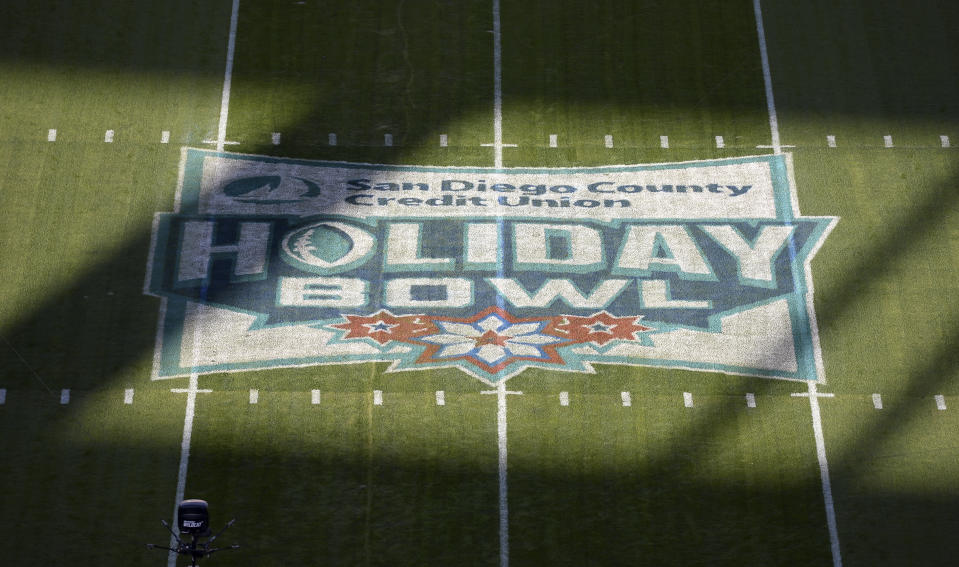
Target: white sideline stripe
767 79
750 400
440 398
688 399
331 139
664 142
52 135
165 137
275 137
940 402
3 396
877 401
824 471
564 398
943 141
227 79
315 397
387 140
444 140
552 140
128 396
608 140
254 396
720 142
831 141
887 141
65 396
377 397
627 399
108 137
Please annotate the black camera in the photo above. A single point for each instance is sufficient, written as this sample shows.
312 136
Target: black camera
193 517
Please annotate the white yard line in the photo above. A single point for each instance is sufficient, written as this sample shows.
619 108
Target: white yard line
227 79
497 89
812 393
501 393
767 79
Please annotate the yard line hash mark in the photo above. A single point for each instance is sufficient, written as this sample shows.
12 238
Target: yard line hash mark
940 402
664 142
65 396
377 397
275 137
887 141
831 141
688 399
331 139
440 398
3 396
254 396
128 396
564 398
608 140
552 140
444 140
165 137
108 137
877 401
944 141
315 397
627 399
52 135
750 400
720 142
388 140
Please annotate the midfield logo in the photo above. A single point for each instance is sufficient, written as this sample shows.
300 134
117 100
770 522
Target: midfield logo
275 262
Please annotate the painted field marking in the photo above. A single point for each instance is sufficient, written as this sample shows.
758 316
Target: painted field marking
108 137
608 140
52 135
444 140
440 398
887 141
388 140
720 142
275 137
128 396
65 396
664 142
877 401
501 393
627 399
552 140
940 402
772 147
767 79
944 141
688 399
564 398
254 396
331 139
315 397
377 397
165 137
225 143
750 400
831 141
3 396
227 82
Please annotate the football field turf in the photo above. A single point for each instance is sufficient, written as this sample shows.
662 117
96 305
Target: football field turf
384 459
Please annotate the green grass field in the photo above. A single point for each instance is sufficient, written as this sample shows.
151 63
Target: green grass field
411 482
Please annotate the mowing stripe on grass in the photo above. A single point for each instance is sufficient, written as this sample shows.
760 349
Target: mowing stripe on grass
940 402
877 401
52 135
750 400
128 396
227 78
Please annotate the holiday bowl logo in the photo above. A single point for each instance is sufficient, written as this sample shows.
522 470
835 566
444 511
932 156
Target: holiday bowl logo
273 262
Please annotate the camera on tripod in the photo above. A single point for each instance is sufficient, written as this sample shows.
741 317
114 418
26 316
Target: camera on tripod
193 519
